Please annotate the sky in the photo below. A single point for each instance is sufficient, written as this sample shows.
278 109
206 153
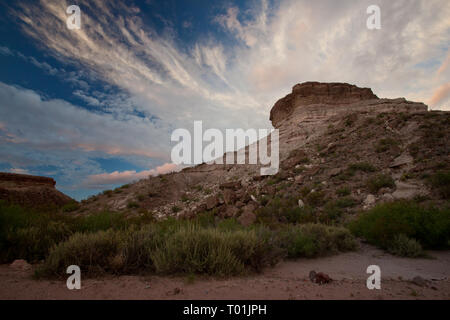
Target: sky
94 108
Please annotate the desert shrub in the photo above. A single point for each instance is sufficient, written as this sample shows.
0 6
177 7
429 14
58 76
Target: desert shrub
132 205
312 240
333 210
108 193
342 192
210 251
380 181
405 247
316 198
285 210
29 234
385 144
428 225
140 197
441 182
361 166
92 252
33 243
176 209
71 206
100 221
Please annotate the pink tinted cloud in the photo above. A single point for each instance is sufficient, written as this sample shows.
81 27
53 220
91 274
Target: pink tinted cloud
116 177
440 94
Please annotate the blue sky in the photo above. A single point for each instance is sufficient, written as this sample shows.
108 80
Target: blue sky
94 108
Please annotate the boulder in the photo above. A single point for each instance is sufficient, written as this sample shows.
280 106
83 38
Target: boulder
402 160
301 204
247 218
212 202
231 211
406 190
229 196
369 201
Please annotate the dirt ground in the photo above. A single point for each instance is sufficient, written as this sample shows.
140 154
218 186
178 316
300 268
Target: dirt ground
288 280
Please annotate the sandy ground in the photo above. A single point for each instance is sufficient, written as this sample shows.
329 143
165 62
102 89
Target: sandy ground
288 280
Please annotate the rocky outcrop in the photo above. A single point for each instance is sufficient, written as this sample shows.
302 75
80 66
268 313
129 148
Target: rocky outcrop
305 113
313 93
31 191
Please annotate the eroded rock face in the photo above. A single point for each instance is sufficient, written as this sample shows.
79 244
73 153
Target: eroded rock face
31 191
305 114
311 93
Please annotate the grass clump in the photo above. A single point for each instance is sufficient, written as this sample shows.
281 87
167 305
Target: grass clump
380 181
384 223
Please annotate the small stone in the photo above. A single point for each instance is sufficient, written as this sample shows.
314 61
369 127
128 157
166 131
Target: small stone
334 172
20 264
419 281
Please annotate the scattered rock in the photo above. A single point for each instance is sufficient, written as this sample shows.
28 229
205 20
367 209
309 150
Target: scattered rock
404 159
21 265
334 172
212 202
231 211
369 201
419 281
298 179
247 218
230 185
406 190
320 277
229 196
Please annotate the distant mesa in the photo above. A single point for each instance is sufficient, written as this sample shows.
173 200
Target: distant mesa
31 191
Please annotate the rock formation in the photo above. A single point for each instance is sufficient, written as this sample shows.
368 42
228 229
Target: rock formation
31 191
335 139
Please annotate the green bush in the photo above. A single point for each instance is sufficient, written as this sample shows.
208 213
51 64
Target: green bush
312 240
428 225
361 166
71 206
92 252
285 210
380 181
100 221
132 205
406 247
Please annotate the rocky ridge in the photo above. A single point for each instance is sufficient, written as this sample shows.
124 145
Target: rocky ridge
341 148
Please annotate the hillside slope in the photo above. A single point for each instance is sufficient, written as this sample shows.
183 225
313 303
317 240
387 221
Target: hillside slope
342 149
